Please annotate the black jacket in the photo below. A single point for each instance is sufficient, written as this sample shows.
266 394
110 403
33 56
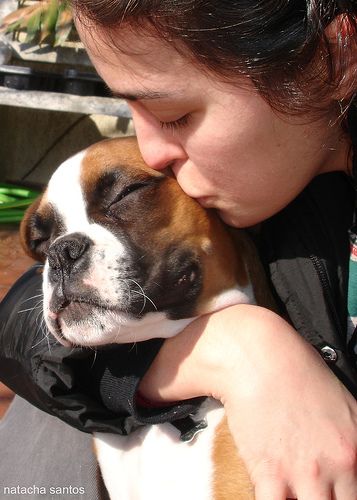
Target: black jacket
305 249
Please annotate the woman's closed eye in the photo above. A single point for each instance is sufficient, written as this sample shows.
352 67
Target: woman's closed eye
176 124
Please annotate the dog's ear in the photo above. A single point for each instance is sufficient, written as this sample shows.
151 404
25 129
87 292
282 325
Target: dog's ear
29 236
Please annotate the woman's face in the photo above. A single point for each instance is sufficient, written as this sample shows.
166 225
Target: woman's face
224 144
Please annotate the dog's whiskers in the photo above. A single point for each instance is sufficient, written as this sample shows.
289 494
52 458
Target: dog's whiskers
95 358
43 327
142 292
36 306
31 298
117 335
134 346
45 337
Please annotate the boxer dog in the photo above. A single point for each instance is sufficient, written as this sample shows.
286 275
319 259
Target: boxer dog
129 256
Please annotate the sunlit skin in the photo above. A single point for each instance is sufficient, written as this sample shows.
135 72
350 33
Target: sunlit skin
224 143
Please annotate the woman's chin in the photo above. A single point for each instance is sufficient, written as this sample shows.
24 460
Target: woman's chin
232 219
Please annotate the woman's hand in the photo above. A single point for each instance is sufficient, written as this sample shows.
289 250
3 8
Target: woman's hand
293 422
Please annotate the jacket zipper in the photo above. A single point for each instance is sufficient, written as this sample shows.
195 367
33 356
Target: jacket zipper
322 275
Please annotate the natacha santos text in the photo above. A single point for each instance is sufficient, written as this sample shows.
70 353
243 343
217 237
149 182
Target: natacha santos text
43 490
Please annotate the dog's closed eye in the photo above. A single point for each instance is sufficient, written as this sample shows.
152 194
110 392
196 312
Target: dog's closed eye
128 190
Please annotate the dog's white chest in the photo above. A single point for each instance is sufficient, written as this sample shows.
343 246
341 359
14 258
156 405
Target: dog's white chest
152 462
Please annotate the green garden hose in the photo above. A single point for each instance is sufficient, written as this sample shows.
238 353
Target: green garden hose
14 200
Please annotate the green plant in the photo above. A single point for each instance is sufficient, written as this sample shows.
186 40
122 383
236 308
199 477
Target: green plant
13 202
43 21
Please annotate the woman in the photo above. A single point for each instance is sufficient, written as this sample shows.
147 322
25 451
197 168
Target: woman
245 103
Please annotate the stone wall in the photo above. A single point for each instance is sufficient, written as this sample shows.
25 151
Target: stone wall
37 141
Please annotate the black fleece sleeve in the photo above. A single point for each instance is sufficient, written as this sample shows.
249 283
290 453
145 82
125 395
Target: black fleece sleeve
90 390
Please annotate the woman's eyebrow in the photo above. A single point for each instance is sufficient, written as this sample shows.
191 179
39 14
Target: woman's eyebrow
141 95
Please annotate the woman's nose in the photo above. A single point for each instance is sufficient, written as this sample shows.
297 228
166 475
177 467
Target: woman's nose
159 147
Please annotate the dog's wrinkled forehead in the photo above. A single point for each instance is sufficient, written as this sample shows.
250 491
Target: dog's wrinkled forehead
75 184
66 197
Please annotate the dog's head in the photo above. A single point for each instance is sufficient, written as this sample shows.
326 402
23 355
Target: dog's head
128 256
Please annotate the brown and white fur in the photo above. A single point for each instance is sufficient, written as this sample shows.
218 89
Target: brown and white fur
128 256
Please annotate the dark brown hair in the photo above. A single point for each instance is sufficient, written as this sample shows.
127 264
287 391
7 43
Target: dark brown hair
280 44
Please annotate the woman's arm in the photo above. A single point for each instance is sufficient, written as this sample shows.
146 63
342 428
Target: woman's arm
294 423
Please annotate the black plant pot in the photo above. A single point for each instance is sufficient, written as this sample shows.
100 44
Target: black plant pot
69 82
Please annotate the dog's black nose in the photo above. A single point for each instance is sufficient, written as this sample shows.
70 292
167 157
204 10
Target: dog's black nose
69 253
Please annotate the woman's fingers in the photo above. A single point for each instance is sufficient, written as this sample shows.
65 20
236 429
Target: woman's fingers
313 490
270 489
346 488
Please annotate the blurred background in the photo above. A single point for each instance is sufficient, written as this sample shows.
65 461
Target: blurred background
52 105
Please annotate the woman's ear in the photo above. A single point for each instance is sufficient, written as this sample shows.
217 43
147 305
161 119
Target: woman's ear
341 35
